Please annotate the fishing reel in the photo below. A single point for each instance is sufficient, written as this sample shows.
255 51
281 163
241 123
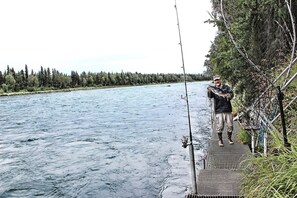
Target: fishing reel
185 141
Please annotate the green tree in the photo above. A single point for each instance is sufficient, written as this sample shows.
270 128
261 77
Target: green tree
33 82
10 81
90 80
8 70
250 31
74 79
26 76
84 82
4 87
23 80
2 80
111 79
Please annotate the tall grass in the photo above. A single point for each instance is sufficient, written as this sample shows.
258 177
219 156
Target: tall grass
275 175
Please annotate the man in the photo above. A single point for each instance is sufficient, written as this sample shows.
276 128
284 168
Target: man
222 94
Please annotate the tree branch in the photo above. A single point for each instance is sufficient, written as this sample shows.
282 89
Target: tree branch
285 31
294 40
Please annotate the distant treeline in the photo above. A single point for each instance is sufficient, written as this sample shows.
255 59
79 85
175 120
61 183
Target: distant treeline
52 79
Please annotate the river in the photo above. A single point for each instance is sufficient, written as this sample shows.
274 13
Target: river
116 143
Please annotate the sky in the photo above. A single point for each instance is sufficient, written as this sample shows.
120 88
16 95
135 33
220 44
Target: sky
104 35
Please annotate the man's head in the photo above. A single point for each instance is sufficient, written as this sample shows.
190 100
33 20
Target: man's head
217 80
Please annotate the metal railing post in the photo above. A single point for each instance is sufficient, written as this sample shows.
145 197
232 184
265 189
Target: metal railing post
280 97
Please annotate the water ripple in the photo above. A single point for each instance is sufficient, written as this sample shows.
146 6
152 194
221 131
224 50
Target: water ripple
121 142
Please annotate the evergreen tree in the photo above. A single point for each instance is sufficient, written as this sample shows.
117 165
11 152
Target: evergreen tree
74 79
21 79
2 80
49 77
26 76
8 70
90 80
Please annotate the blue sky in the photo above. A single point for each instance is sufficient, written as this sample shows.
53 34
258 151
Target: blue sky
104 35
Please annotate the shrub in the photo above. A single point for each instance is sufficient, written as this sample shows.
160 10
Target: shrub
5 87
244 137
272 176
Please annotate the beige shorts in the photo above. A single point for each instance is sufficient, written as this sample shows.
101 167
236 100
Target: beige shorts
221 120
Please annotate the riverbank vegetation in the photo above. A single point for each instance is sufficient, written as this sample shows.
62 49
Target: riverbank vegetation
274 175
255 52
48 80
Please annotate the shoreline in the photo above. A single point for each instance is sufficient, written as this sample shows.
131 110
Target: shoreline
21 93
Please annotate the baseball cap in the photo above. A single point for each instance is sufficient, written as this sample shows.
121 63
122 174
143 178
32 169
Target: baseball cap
216 78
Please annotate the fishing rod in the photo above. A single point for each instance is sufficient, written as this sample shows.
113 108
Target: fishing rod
185 141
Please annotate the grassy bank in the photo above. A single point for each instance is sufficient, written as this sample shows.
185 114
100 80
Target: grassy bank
274 175
44 91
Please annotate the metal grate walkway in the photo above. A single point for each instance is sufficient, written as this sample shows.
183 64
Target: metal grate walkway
215 196
221 176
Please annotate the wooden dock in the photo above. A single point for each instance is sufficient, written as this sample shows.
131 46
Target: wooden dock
222 174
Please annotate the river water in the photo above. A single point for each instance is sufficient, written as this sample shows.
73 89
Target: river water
116 143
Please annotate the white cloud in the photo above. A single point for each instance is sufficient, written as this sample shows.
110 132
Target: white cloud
95 35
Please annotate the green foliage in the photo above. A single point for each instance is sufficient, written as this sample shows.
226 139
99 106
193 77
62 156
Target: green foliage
90 80
33 81
84 82
244 137
31 89
4 87
10 81
262 32
258 30
47 79
272 176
